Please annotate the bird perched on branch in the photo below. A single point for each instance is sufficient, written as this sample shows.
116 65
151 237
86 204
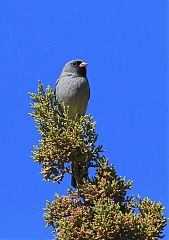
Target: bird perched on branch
72 89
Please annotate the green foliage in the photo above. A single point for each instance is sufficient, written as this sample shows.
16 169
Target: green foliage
106 213
100 208
63 140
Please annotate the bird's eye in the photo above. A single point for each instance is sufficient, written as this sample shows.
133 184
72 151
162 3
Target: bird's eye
74 63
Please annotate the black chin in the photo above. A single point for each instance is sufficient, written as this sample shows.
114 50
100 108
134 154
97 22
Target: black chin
82 71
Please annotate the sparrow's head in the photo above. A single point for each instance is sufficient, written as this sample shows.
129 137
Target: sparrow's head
76 67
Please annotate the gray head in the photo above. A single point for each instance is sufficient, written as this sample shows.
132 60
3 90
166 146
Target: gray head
76 66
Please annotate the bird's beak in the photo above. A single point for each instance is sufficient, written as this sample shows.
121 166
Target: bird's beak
83 64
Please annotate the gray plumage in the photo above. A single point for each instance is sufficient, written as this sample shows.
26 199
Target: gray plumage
72 89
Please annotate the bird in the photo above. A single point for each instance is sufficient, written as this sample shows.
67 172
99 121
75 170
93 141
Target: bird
72 89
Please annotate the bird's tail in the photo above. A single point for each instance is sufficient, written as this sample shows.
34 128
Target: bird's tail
73 182
78 174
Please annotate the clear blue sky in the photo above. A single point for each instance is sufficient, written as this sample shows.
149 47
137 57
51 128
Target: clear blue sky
125 44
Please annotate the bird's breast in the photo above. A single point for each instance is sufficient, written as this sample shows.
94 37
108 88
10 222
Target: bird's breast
68 88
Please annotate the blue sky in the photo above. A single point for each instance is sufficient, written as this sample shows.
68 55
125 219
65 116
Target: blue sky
125 44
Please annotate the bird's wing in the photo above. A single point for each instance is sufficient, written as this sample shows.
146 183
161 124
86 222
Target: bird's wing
54 91
59 107
61 76
89 89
